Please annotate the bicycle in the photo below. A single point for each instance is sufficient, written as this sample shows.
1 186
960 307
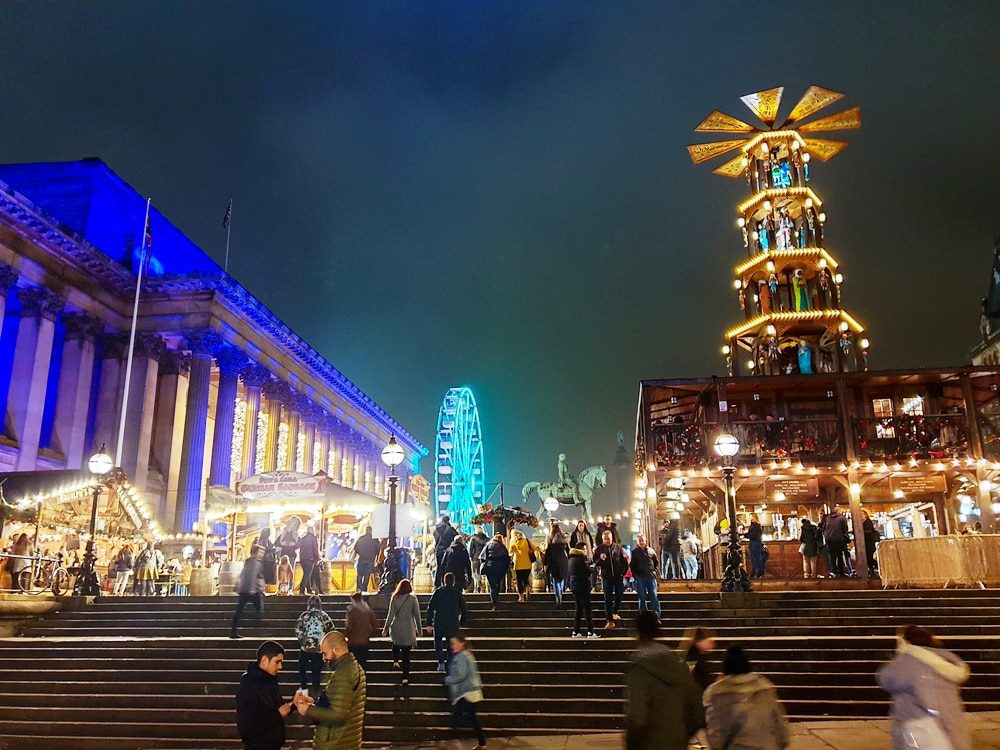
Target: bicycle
45 574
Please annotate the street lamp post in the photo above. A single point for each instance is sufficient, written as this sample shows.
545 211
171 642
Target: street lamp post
87 583
392 570
735 577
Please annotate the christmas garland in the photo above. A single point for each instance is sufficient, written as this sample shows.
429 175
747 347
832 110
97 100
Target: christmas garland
509 516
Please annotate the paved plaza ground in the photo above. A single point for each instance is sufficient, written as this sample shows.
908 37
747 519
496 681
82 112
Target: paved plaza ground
811 735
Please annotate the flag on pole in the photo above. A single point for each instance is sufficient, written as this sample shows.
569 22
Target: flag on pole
146 252
228 216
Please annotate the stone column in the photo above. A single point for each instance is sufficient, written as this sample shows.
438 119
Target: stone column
277 394
168 428
8 278
191 484
73 399
30 373
112 351
230 361
299 406
254 377
141 407
308 428
323 438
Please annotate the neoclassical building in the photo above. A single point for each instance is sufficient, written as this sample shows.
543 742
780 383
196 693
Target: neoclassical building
220 388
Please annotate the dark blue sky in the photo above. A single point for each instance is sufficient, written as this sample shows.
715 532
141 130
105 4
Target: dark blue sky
498 195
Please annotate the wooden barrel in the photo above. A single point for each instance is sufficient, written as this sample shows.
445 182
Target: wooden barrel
423 582
229 575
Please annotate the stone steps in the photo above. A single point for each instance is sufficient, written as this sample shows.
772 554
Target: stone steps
118 673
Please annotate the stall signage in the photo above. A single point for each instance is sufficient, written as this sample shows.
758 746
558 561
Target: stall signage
922 485
420 490
279 485
805 487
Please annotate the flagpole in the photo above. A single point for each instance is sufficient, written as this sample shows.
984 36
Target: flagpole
131 341
229 228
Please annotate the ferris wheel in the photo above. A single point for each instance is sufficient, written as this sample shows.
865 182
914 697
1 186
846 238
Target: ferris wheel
459 477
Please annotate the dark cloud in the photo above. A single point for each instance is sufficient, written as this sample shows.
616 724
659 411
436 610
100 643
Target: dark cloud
497 194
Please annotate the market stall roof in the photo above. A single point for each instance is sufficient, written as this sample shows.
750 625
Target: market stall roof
24 487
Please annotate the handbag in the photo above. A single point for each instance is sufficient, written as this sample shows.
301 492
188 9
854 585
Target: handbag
802 548
532 557
473 696
924 733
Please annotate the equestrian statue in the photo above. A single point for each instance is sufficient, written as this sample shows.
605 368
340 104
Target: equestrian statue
568 489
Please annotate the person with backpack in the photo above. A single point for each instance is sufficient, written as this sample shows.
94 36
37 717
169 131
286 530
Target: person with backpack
310 628
444 535
494 565
458 562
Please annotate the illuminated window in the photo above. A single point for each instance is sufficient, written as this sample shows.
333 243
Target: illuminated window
913 406
882 409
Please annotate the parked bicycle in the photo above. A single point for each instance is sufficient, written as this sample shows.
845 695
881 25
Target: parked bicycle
43 574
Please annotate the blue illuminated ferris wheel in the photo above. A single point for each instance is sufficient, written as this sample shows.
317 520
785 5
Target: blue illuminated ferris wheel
459 477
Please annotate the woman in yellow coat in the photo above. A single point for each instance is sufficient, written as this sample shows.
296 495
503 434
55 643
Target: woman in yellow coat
522 550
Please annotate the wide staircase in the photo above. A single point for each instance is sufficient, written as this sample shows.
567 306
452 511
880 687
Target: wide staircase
161 673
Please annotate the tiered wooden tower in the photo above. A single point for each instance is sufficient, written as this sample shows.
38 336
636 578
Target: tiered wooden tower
789 287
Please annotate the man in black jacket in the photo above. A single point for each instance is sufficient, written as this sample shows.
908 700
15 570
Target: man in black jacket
365 550
458 562
444 535
260 709
610 560
837 537
446 613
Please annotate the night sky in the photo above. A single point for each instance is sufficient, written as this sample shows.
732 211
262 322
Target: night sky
498 195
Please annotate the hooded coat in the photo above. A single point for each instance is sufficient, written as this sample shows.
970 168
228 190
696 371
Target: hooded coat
662 701
579 571
557 560
339 714
457 561
921 680
743 710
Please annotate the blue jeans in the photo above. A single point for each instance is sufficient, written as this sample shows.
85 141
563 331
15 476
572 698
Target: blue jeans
558 586
691 567
495 581
365 570
646 588
442 645
614 590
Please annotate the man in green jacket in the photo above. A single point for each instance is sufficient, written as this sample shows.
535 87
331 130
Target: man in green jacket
339 713
663 706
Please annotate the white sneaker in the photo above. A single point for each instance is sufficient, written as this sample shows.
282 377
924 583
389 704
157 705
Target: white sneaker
592 634
441 667
578 635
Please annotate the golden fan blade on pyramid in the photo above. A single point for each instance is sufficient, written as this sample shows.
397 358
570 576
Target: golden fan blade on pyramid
704 151
849 119
720 122
764 104
823 149
815 98
732 168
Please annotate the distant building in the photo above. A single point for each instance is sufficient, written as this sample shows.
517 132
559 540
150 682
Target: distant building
987 351
220 387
